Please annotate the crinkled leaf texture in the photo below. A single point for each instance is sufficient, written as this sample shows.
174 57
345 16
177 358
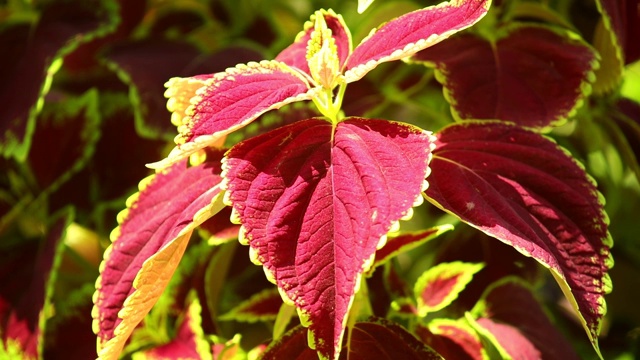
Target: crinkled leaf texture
513 320
375 338
315 200
523 189
533 75
440 285
148 245
227 101
412 32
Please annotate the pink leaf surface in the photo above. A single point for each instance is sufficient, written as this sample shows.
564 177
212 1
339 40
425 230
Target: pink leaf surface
148 245
524 190
314 202
295 55
440 285
412 32
485 79
453 339
510 312
230 100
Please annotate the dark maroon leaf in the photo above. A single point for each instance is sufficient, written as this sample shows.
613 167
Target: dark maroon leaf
492 79
36 52
623 18
524 190
453 339
29 270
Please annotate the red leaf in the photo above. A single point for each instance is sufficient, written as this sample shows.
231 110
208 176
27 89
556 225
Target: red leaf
453 339
228 101
315 201
487 79
295 55
405 242
412 32
148 246
372 339
623 18
440 285
261 306
524 190
28 271
35 55
510 312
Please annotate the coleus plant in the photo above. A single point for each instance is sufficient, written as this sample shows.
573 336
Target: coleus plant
316 199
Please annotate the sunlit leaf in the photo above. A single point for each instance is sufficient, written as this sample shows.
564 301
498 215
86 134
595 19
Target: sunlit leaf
510 313
492 78
440 285
147 247
315 201
412 32
295 55
230 100
524 190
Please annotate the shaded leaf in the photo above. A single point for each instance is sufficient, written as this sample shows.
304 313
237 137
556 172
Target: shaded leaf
372 339
398 244
524 190
621 19
491 79
36 55
314 202
440 285
509 311
189 342
147 247
412 32
230 100
65 139
259 307
29 271
453 339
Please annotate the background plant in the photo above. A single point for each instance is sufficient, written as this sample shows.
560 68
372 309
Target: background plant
78 132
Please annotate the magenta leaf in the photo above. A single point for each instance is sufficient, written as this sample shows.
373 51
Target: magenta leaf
491 79
147 247
405 242
453 339
517 323
440 285
189 341
372 339
227 101
259 307
523 189
29 271
295 55
315 201
412 32
36 52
